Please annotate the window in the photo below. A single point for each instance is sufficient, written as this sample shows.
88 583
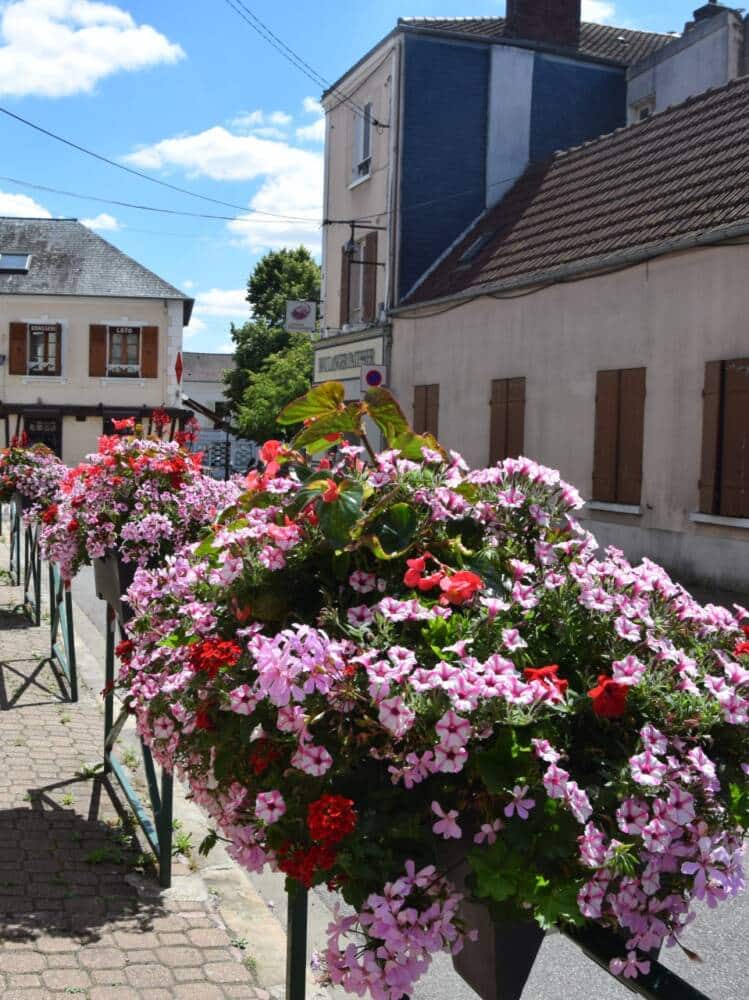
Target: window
507 421
123 358
643 109
362 143
14 263
359 282
724 477
426 409
620 418
46 429
44 349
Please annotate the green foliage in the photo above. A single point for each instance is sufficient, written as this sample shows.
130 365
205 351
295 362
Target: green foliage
282 377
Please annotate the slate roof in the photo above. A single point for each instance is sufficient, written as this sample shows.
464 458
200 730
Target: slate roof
682 173
205 367
604 41
67 258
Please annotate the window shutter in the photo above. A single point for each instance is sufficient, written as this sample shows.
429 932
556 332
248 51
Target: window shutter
498 421
709 478
149 352
631 429
515 417
432 409
605 448
734 447
369 293
97 351
58 353
345 283
420 408
18 360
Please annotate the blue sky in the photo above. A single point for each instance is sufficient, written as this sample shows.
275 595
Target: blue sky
185 91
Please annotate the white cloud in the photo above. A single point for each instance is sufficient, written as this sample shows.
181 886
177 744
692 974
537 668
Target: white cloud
55 48
312 106
228 302
21 206
316 131
598 11
188 283
226 348
291 181
103 222
197 325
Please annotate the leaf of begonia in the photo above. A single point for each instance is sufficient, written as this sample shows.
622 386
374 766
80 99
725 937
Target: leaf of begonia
320 400
410 444
383 408
337 518
344 422
396 528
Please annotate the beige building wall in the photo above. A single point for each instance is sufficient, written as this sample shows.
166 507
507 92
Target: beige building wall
347 197
671 315
74 386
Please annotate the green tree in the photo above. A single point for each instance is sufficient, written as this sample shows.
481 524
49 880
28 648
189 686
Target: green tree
282 376
278 276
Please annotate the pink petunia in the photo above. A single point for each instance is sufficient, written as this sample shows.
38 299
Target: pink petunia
396 716
518 803
269 806
446 827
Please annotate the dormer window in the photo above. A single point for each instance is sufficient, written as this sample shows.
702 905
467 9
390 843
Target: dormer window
14 263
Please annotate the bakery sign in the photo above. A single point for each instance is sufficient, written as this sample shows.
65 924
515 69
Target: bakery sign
346 361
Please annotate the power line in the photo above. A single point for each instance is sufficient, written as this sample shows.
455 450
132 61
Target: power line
262 29
138 173
154 208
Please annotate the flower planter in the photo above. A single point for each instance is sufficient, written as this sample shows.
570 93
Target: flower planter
112 578
498 963
21 502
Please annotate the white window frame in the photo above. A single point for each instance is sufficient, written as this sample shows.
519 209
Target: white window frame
644 104
134 371
361 166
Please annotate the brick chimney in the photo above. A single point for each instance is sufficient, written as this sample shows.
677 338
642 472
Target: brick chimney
555 22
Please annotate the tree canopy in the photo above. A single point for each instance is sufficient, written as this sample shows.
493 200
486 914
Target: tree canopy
282 377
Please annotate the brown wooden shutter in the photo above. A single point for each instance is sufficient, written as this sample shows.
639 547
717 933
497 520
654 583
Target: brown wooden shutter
369 278
631 431
605 448
433 409
345 285
734 447
149 352
97 351
18 359
498 421
58 354
420 408
709 474
515 417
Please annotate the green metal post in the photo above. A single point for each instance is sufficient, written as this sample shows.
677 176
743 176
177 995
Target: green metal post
296 944
32 575
109 684
61 631
164 829
15 545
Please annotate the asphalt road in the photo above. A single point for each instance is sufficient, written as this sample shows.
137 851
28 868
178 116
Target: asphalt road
561 971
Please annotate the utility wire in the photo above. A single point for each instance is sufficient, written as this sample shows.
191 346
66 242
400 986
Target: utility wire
154 208
262 29
138 173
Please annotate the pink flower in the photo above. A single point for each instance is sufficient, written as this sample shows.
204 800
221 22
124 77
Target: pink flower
513 640
453 730
627 630
646 769
629 967
628 671
488 832
241 700
272 558
519 804
396 716
360 615
269 806
555 781
446 826
163 727
449 760
312 760
362 582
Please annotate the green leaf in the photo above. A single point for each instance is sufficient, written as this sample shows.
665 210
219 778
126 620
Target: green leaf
338 517
343 422
320 400
396 528
410 444
386 413
208 843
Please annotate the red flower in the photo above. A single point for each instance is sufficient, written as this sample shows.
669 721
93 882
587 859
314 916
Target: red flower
72 526
336 436
124 650
331 818
745 630
50 513
609 698
460 587
262 755
211 655
203 718
302 863
332 493
548 675
415 570
270 450
127 424
160 417
741 649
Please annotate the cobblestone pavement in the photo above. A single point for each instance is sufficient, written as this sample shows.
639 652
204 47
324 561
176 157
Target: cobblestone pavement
80 910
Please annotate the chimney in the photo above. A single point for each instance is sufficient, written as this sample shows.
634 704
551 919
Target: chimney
710 9
555 22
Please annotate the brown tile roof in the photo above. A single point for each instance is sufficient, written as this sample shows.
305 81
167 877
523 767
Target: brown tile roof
682 172
604 41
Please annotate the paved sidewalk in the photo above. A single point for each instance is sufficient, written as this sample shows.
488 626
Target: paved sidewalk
80 909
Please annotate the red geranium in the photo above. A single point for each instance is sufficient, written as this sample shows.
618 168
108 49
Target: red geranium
203 719
331 818
609 698
127 424
124 649
741 648
212 654
50 514
460 587
262 755
548 675
302 863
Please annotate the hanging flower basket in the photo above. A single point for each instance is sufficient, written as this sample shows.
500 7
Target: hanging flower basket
363 661
29 478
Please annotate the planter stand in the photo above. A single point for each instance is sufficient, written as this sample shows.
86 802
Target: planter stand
14 569
32 575
296 944
156 822
61 631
